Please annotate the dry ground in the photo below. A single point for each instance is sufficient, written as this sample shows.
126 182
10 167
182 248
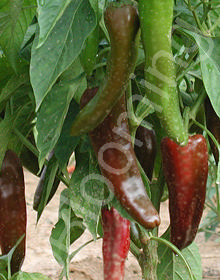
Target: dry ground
87 265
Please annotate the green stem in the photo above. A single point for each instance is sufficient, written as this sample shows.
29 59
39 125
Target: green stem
176 250
217 197
181 72
102 52
215 25
100 65
25 141
131 115
149 259
200 100
134 250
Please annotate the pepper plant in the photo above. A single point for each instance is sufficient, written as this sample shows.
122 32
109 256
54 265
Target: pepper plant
132 90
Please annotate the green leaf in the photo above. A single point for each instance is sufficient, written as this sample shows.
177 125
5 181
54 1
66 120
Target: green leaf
67 143
48 185
192 256
209 50
29 276
13 83
51 116
172 267
5 71
49 12
61 48
87 190
15 17
5 134
68 229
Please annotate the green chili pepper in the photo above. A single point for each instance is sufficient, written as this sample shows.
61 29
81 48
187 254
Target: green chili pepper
160 77
122 24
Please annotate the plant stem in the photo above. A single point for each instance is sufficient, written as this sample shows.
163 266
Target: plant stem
148 259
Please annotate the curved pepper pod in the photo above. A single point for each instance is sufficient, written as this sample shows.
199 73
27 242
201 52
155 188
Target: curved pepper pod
113 147
156 18
213 125
146 149
13 217
185 169
116 243
122 24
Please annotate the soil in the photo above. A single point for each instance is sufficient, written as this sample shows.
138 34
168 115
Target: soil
87 264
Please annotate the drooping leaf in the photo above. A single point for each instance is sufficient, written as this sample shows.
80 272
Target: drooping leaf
49 12
172 267
61 48
51 115
87 190
68 229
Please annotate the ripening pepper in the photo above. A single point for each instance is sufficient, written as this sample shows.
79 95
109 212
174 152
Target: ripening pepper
122 24
185 169
213 125
13 217
115 153
116 243
156 18
145 148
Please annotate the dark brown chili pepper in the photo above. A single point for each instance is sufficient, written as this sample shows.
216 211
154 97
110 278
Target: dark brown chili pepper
113 147
13 217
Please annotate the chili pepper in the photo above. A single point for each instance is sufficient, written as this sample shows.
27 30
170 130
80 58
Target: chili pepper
113 147
160 78
185 169
122 24
213 125
116 243
146 149
12 209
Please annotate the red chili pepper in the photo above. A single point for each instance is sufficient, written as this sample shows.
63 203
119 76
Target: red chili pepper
213 125
116 244
113 147
185 169
13 215
146 149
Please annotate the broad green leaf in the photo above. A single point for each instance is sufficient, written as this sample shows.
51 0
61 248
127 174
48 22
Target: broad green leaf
51 116
209 51
172 267
165 257
61 48
49 12
192 256
29 276
68 229
67 143
15 17
87 190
